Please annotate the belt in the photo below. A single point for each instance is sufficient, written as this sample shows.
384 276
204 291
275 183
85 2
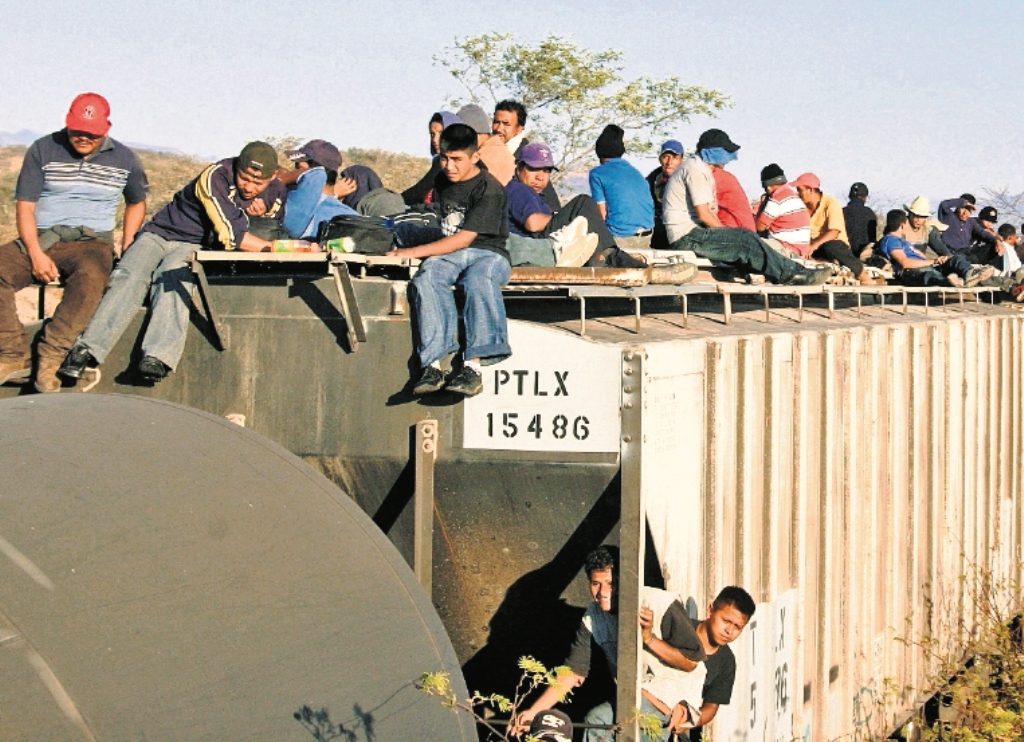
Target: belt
644 233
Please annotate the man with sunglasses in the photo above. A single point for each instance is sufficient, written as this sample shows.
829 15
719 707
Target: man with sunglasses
66 200
211 212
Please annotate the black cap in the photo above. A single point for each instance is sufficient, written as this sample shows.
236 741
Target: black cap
716 138
858 190
969 197
988 214
771 175
609 144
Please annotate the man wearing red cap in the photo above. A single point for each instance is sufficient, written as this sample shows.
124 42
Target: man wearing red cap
68 191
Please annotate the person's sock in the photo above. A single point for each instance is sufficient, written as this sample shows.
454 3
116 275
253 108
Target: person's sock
473 363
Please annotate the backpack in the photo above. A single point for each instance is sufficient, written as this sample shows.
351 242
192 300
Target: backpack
372 235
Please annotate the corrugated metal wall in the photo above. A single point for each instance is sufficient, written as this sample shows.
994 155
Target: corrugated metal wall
850 476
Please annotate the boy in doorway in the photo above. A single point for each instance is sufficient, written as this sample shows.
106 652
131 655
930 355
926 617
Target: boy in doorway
468 252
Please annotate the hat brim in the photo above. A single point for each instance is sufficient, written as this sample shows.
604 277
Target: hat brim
535 166
97 129
911 212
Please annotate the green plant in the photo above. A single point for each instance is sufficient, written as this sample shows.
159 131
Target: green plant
572 92
534 675
977 666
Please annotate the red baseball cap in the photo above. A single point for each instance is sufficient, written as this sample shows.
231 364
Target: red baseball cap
808 180
90 113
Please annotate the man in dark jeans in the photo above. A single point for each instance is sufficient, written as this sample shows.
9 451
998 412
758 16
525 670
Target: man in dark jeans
66 200
689 213
829 239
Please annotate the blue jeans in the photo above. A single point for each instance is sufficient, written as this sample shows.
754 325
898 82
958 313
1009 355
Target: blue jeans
603 714
158 266
739 249
936 274
480 274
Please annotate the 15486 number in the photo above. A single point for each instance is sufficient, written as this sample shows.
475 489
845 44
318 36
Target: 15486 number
558 427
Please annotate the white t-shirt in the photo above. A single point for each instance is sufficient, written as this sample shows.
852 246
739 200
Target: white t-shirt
691 185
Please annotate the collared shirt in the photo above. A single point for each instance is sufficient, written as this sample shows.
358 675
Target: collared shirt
961 234
516 142
75 191
210 212
786 219
826 216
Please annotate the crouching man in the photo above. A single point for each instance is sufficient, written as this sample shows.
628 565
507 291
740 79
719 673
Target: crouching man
688 668
211 212
65 204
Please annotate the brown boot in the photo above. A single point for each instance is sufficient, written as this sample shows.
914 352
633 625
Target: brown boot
13 369
46 374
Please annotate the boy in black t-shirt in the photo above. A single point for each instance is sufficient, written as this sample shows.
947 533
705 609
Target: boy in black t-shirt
468 251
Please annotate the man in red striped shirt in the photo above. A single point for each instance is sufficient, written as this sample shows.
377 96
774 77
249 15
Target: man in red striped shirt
782 217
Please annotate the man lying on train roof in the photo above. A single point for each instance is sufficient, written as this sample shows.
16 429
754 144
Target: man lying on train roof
689 669
212 211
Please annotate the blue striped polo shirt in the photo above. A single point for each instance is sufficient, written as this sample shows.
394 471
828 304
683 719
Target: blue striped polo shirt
77 191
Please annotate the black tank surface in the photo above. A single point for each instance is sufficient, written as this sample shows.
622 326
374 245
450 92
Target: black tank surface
167 575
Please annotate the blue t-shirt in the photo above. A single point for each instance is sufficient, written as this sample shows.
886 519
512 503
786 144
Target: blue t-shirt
308 205
523 202
891 242
626 195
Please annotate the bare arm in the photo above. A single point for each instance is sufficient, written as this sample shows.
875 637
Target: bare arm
252 243
551 695
537 222
906 262
461 239
602 209
827 236
661 648
707 713
706 216
134 215
43 268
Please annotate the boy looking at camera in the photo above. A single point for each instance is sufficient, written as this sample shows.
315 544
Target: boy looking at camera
468 252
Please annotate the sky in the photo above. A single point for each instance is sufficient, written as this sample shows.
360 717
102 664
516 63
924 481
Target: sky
909 97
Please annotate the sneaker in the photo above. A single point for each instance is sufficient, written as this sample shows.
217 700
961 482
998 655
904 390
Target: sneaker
577 253
673 274
467 381
77 360
572 232
808 277
46 380
153 369
955 281
977 274
431 379
14 370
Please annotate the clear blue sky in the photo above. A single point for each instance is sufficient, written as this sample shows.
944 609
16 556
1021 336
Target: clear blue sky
910 97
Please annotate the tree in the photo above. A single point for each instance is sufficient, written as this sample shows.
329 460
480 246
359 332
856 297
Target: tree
571 93
1009 205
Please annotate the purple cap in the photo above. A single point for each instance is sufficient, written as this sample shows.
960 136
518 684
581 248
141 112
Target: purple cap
319 151
671 145
536 155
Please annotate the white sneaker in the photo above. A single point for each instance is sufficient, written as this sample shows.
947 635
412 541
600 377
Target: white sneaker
567 235
574 255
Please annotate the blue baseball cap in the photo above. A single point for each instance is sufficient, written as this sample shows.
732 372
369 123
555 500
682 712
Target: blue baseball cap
671 145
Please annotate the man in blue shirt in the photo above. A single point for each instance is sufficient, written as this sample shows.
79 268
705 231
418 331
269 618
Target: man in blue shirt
310 197
914 269
964 230
68 191
622 194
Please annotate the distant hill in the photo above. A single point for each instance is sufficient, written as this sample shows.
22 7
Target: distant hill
24 136
168 172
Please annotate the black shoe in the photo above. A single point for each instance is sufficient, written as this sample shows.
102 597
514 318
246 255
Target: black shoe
467 382
808 277
153 369
431 379
76 361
